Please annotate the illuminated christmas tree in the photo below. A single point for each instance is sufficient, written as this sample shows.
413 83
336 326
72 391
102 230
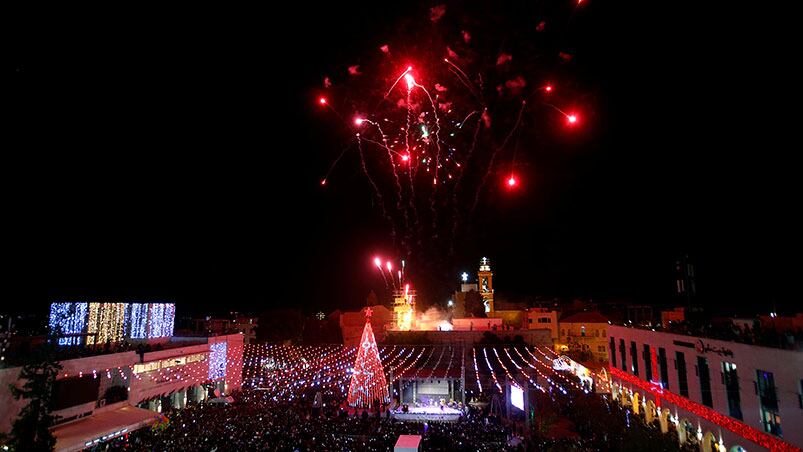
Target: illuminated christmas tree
368 385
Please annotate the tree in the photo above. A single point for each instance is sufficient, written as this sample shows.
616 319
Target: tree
474 304
368 382
30 431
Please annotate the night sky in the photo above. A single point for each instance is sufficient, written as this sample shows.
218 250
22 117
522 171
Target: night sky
177 155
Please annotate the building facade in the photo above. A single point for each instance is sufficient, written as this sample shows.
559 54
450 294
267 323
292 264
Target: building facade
542 318
130 388
724 396
584 335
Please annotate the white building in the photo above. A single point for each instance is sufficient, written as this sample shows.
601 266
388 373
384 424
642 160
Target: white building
725 396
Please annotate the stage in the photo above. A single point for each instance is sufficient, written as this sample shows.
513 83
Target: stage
428 413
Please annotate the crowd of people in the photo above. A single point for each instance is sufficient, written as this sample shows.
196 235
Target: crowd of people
255 421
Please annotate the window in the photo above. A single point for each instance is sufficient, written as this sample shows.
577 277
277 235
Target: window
633 358
623 354
704 375
583 330
647 362
663 368
544 320
601 348
680 365
800 395
603 332
531 320
168 363
731 381
768 401
612 346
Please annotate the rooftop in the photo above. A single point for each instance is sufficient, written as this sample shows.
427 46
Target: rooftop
585 317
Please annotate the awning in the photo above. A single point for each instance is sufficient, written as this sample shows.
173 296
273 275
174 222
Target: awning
101 427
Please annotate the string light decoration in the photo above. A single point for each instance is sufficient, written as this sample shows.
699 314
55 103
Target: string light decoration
92 323
107 321
103 323
67 319
368 384
161 318
740 428
217 360
156 320
139 321
476 370
289 372
493 374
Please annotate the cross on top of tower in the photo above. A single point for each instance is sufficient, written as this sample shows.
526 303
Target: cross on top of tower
485 265
368 312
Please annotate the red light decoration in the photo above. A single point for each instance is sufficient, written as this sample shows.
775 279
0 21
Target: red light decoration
368 385
572 118
548 88
358 121
745 431
511 181
405 158
322 101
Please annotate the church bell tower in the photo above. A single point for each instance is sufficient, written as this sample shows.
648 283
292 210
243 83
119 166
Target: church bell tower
485 278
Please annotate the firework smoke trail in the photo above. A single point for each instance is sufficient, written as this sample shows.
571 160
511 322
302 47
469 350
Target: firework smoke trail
390 275
339 116
381 272
376 190
409 68
493 159
466 118
456 219
398 186
464 79
413 164
437 134
332 166
437 157
393 166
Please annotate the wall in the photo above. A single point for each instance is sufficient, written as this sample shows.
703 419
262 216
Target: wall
531 337
476 324
514 318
